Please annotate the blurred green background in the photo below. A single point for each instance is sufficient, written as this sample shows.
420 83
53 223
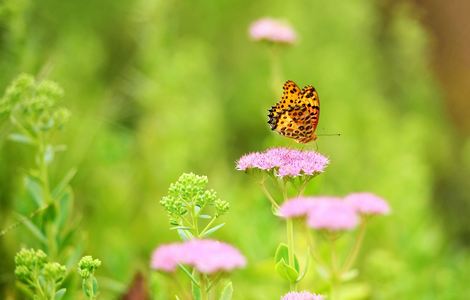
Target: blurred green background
161 87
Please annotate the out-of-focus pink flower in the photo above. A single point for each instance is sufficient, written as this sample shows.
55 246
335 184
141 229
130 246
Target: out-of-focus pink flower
271 30
302 296
301 206
285 162
332 215
368 204
167 257
207 256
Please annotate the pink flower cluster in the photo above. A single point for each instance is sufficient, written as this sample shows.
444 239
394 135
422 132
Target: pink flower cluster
284 162
271 30
302 296
207 256
333 213
368 204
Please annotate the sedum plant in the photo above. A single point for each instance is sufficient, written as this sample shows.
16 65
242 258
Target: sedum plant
86 269
35 112
192 208
39 278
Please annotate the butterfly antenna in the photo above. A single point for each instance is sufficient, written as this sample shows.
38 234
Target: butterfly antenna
329 134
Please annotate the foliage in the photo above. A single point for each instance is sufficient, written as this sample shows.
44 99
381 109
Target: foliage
38 277
86 269
158 88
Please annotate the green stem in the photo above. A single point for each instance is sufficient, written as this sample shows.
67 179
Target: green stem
311 245
302 187
51 232
194 221
276 72
334 268
203 286
207 226
357 246
290 234
268 194
290 244
43 172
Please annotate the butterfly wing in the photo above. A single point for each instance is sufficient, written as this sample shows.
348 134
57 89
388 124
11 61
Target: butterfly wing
308 116
290 97
296 118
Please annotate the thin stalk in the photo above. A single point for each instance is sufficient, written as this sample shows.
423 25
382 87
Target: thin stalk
268 194
302 187
207 226
290 234
290 240
203 286
334 269
311 245
276 72
357 246
51 230
43 172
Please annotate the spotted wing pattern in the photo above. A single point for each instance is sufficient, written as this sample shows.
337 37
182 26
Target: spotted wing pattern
297 114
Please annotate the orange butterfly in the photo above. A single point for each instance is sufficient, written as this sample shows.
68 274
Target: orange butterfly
297 114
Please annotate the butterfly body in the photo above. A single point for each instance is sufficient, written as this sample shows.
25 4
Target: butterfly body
297 114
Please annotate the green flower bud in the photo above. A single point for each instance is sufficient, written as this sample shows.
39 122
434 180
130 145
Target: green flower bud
87 266
54 272
221 207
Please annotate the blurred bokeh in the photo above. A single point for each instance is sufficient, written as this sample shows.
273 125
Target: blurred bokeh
161 87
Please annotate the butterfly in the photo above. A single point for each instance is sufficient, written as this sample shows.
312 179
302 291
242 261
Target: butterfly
297 114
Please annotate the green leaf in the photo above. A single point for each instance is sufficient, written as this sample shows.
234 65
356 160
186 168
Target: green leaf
21 138
196 291
49 154
75 255
307 264
212 230
94 284
350 275
59 294
34 230
191 276
185 235
65 207
34 189
282 253
85 288
62 185
286 271
227 291
180 227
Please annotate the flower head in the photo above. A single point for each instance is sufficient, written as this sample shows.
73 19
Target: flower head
368 204
301 296
28 262
34 104
301 206
207 256
285 162
34 270
271 30
332 215
87 266
167 257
